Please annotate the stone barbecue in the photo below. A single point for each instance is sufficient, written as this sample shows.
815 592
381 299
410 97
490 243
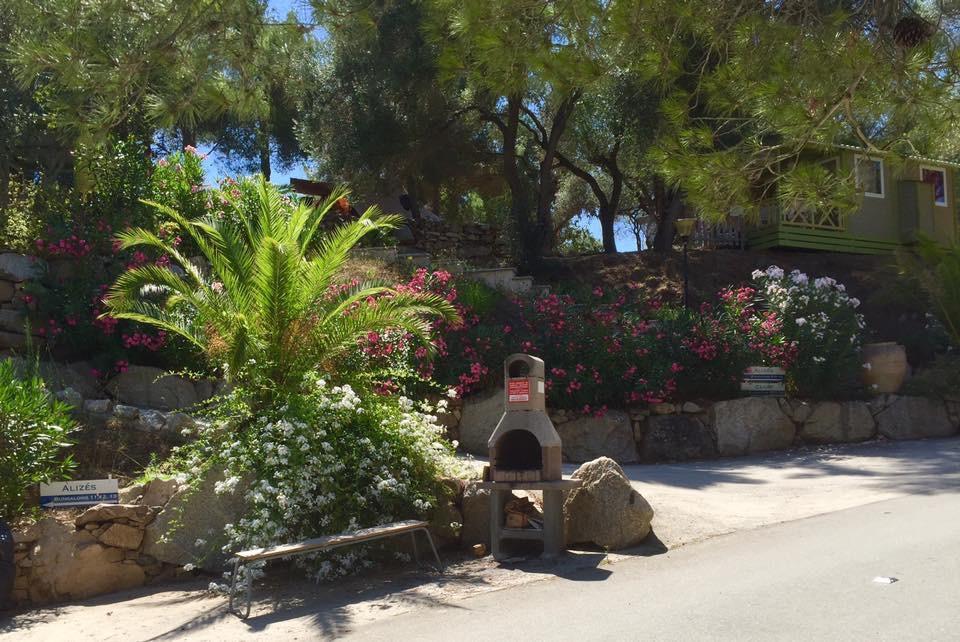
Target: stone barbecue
524 447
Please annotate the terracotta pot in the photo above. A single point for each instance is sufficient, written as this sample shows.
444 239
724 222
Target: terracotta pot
885 366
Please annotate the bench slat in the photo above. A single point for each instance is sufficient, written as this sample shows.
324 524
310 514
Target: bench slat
330 541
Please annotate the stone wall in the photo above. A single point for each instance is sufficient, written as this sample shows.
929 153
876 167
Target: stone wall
677 432
16 270
98 551
474 242
160 530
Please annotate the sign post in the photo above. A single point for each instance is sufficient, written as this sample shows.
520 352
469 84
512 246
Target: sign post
85 492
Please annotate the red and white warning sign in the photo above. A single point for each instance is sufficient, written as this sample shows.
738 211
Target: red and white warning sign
518 390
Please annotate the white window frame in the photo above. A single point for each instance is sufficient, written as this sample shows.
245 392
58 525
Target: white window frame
883 181
946 184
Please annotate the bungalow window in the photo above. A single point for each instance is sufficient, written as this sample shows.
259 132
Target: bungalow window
937 177
869 172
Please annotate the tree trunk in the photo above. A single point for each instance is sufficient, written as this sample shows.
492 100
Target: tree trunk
189 137
263 147
668 207
519 197
547 184
608 216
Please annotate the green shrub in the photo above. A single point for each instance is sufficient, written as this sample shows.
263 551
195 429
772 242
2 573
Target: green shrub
937 269
325 461
34 430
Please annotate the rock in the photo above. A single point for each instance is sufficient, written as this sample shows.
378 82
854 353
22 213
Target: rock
677 438
130 494
178 421
152 388
13 321
195 514
12 341
751 425
446 522
798 411
127 413
204 389
606 510
587 438
97 406
68 565
70 397
663 408
475 509
27 535
151 421
59 376
18 267
691 408
915 418
111 512
7 290
122 536
159 491
834 422
480 416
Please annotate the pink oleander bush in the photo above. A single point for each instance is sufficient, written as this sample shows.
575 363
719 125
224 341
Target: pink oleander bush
615 348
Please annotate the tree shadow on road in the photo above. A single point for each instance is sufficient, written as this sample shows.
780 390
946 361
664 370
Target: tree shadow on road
927 466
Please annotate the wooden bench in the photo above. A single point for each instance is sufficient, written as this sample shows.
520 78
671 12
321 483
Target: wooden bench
324 544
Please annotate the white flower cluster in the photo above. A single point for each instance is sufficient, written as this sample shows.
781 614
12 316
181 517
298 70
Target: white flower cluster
825 322
347 462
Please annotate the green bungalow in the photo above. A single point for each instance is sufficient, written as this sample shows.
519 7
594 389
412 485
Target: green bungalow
901 199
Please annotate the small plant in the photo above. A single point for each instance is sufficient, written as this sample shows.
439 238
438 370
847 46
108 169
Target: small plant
34 430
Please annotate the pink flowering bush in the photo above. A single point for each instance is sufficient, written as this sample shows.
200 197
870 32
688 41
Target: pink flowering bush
619 348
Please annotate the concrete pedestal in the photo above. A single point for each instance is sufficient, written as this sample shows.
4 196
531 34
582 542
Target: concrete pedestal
552 533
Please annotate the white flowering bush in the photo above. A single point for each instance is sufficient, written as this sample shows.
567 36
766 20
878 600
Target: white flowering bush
327 461
821 318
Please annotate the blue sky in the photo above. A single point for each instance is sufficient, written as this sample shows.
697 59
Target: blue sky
280 8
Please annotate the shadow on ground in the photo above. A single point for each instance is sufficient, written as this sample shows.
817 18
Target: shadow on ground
914 467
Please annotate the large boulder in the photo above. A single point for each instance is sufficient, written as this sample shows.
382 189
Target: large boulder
587 438
834 422
480 416
677 438
134 513
751 425
606 510
446 520
196 514
69 564
914 418
475 509
19 267
152 388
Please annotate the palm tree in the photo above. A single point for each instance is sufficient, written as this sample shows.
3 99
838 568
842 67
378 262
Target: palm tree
266 310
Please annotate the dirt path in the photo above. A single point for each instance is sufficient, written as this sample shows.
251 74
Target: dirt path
694 501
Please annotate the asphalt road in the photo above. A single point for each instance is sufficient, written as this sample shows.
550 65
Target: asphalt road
811 579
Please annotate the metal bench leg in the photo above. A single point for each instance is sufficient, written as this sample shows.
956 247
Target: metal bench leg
416 551
433 547
233 590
